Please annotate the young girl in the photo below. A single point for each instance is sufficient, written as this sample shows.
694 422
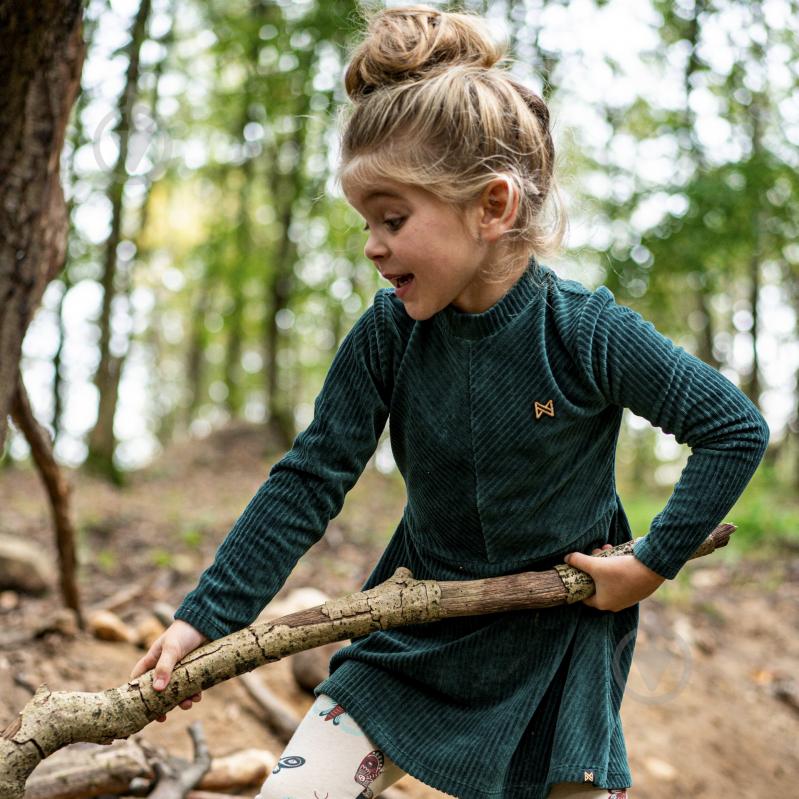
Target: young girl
505 386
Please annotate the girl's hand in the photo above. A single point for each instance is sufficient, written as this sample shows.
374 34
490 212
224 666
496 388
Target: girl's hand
172 645
621 581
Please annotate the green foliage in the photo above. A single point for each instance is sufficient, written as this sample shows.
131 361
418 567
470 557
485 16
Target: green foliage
252 263
107 560
162 558
766 514
192 537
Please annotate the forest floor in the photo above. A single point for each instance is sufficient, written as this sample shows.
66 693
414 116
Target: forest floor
712 705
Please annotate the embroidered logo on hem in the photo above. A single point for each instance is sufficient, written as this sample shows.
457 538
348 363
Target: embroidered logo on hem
548 409
588 776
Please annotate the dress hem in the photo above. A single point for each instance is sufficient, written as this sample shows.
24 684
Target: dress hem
444 782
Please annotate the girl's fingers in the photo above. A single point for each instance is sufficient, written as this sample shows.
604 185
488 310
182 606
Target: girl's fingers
187 703
147 662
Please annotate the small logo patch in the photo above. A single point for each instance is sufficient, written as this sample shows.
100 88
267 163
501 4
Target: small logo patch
548 409
588 776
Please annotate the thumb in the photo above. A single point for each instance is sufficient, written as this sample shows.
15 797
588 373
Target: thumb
581 561
163 669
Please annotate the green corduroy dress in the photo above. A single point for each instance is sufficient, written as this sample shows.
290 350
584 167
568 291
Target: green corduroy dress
504 426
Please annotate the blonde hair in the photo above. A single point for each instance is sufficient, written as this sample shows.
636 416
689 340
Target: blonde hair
429 108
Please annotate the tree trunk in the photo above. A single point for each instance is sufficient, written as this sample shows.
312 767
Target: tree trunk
58 491
706 335
704 285
100 458
77 139
195 359
752 385
286 188
41 55
235 328
51 720
758 114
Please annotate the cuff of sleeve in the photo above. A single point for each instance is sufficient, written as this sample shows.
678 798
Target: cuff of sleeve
206 624
644 551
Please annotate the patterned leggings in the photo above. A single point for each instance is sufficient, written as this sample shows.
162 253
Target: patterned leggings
308 769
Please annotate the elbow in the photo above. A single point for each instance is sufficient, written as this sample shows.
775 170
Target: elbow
764 432
758 433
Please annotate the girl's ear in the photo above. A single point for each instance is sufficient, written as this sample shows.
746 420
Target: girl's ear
499 204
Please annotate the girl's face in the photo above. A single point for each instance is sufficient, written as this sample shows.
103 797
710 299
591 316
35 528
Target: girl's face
430 251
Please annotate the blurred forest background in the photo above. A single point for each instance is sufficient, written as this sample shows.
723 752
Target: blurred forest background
213 267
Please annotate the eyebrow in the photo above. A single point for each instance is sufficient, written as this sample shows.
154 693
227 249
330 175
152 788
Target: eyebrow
381 193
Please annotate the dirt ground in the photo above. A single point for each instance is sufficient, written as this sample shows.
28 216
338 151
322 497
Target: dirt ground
711 709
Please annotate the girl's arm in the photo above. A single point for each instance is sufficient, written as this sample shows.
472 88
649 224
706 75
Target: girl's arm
304 490
629 363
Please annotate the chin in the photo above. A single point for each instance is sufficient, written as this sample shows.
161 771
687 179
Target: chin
420 314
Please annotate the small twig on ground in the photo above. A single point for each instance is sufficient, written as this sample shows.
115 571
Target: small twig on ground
176 777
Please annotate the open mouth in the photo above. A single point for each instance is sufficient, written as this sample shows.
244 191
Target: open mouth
401 283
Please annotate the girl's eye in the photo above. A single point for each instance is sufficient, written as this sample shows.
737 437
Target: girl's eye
393 223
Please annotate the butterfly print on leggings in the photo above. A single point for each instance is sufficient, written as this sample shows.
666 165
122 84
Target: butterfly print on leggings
334 714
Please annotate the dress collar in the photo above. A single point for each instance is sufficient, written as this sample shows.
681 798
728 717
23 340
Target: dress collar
479 325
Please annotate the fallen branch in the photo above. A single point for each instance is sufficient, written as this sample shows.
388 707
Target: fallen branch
176 777
93 772
238 770
275 713
210 795
51 720
81 771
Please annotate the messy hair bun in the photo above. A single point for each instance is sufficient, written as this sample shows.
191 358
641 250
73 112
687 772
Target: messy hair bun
431 108
406 43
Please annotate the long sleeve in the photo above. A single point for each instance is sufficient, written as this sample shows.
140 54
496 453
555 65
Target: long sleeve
631 364
304 490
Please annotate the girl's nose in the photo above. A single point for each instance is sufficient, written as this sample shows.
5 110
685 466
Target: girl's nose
374 248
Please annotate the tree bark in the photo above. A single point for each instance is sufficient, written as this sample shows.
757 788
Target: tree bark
52 720
41 55
58 491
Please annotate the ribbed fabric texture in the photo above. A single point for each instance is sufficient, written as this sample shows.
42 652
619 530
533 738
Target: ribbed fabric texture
504 426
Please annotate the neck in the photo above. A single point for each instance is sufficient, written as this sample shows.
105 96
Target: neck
497 280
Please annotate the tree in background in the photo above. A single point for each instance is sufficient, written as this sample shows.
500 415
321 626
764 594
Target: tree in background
41 56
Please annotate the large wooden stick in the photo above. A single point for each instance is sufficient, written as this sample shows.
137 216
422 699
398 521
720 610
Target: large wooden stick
52 720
